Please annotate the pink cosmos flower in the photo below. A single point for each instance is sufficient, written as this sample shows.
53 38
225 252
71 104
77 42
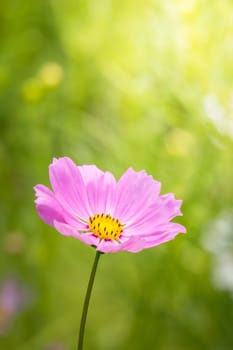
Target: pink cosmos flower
90 205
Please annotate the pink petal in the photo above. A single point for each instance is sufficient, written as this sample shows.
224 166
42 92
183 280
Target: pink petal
135 191
132 245
112 246
135 244
100 187
171 228
90 173
168 233
172 205
159 240
68 230
69 187
160 213
47 206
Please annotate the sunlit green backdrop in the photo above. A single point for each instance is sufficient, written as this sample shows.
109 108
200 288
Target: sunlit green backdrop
147 84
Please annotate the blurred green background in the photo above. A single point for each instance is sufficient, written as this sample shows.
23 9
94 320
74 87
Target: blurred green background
147 84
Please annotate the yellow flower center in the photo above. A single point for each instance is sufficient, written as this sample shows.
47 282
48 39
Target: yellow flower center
105 227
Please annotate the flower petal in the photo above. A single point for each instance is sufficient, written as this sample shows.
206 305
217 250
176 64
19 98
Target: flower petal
164 209
69 187
157 238
171 205
106 246
133 245
68 230
47 206
100 187
135 191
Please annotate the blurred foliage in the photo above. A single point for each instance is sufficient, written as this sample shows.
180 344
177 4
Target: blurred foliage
146 84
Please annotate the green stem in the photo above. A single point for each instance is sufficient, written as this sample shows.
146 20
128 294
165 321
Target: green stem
86 301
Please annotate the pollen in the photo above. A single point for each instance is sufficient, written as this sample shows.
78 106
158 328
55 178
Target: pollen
105 227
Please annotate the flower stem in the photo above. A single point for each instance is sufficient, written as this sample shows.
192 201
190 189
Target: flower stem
86 301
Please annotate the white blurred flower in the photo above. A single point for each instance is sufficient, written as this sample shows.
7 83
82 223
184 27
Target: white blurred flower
219 241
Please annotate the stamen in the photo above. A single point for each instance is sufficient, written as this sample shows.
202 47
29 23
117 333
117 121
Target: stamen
84 231
82 220
105 227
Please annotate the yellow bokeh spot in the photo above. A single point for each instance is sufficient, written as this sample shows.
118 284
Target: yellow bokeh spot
179 142
186 6
51 74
